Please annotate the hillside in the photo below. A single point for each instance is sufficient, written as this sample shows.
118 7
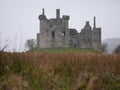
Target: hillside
112 43
65 50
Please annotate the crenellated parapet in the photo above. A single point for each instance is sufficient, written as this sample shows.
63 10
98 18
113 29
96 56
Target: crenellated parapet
41 17
65 17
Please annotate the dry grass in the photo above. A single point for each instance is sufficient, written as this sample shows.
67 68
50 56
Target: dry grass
94 84
59 71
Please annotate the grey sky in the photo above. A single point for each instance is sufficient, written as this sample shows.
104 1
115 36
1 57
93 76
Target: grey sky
19 18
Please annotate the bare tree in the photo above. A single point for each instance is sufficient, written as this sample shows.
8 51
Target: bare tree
3 44
30 44
117 50
104 47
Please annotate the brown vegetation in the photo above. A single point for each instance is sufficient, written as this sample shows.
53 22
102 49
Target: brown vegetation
94 84
59 71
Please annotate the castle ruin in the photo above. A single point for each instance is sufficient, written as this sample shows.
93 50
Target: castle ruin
55 33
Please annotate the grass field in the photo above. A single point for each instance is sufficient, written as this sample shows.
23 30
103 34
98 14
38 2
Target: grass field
65 50
59 71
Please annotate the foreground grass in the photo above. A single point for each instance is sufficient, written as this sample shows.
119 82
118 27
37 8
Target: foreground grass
58 71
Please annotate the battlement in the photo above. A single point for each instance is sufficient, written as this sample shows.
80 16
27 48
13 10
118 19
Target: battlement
65 17
41 17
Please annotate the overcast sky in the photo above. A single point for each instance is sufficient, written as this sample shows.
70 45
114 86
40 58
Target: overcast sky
19 18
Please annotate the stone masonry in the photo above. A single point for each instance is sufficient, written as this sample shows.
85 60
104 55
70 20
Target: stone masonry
55 33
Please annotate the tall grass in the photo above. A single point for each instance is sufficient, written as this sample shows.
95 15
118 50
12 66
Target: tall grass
58 71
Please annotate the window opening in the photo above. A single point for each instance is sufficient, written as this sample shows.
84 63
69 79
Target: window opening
53 34
50 26
63 33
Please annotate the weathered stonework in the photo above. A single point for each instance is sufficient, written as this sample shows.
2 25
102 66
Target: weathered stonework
55 33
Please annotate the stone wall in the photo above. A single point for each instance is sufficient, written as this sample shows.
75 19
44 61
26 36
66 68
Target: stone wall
55 33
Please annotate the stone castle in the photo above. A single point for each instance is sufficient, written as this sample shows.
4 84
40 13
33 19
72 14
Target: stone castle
55 33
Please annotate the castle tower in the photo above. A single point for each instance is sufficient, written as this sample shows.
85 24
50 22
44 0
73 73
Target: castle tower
66 30
60 31
44 27
96 37
42 19
54 32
